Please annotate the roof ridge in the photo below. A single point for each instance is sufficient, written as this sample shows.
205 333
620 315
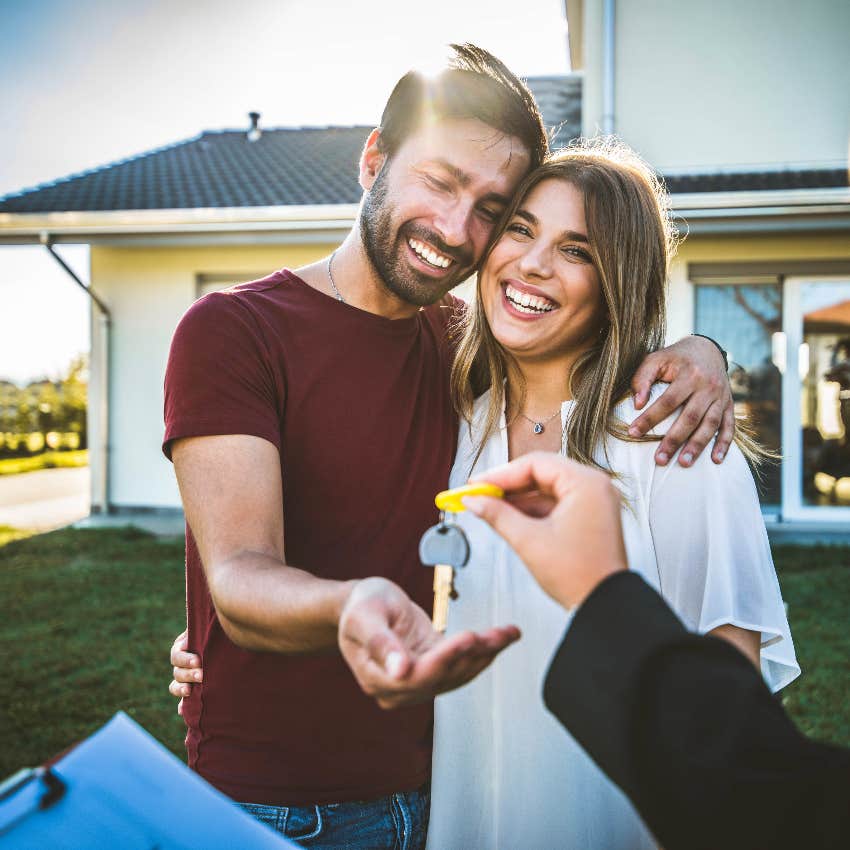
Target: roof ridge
293 129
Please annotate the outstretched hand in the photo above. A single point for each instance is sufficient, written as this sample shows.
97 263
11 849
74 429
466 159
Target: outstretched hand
395 654
696 373
563 520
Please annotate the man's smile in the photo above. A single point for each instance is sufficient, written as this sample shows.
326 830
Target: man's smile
429 255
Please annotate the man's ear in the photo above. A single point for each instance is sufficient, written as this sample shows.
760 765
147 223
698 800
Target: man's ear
371 160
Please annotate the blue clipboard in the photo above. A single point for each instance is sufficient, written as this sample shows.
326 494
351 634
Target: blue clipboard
122 788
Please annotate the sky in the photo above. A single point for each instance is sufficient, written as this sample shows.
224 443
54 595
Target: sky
89 82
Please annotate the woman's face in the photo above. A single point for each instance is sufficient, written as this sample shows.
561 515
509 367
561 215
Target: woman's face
539 288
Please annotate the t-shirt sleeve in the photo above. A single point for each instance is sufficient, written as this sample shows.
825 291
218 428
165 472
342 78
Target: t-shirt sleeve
713 555
219 378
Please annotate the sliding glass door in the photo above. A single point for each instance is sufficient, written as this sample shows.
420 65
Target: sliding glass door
789 352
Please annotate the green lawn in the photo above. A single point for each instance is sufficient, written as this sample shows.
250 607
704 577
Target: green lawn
45 460
88 617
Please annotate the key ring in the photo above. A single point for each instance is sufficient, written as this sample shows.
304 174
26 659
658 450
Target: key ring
450 500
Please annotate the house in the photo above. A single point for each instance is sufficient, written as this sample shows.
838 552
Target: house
742 108
172 224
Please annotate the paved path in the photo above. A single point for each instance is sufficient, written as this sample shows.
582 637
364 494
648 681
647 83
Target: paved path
46 499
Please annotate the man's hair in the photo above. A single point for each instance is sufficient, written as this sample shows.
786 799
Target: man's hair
474 84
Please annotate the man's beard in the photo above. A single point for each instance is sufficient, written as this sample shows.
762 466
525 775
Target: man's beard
386 251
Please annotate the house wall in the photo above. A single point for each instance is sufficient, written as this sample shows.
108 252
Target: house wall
807 248
147 291
703 85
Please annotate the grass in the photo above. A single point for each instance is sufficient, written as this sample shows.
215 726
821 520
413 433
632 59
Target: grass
89 617
816 585
45 460
87 622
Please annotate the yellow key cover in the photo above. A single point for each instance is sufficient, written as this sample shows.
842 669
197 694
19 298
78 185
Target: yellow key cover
450 500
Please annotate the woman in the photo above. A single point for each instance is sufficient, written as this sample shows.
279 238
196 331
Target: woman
569 300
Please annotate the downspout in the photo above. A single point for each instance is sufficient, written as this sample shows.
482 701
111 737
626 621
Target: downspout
105 327
608 44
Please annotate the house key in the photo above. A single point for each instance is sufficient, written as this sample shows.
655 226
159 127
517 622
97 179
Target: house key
445 547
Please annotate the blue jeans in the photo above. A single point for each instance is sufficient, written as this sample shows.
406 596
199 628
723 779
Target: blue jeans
397 822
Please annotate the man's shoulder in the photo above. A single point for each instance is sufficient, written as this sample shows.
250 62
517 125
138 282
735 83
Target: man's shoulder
447 309
235 302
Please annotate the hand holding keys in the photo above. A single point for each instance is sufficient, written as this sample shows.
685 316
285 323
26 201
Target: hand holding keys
444 546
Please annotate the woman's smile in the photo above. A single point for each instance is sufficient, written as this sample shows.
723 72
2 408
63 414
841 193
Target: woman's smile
539 286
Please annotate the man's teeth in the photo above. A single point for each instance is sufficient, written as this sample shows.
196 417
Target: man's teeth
429 254
526 303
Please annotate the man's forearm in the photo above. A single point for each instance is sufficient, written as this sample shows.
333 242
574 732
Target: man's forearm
265 605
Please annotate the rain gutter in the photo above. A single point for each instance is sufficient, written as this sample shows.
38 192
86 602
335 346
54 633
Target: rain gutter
105 328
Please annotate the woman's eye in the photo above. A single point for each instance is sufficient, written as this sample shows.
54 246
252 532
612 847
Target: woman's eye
578 253
521 229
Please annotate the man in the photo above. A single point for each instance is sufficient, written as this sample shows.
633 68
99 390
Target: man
323 397
683 724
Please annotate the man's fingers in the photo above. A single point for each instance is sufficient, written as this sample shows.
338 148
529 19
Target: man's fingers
659 410
647 374
187 675
725 435
682 428
387 653
703 435
177 689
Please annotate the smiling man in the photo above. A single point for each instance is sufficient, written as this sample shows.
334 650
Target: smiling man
322 396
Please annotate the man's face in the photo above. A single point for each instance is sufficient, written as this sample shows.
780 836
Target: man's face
428 215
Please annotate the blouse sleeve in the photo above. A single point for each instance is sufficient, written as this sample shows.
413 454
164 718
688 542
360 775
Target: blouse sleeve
713 556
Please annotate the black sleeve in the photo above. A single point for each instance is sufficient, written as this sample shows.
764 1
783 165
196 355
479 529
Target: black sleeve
686 727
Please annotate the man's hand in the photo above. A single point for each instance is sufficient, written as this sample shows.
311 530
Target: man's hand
697 376
395 654
561 518
187 669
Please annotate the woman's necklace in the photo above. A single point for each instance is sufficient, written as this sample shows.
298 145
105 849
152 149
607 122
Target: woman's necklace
539 425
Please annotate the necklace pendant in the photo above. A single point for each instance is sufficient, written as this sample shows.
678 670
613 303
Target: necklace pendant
538 427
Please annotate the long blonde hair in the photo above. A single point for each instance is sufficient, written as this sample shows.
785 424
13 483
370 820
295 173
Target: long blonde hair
632 239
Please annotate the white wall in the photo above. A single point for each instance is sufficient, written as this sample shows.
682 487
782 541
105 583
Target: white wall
147 291
704 84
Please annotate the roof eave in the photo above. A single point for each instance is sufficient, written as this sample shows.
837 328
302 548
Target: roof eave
111 225
803 210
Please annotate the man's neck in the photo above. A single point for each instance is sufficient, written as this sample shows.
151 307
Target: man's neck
352 277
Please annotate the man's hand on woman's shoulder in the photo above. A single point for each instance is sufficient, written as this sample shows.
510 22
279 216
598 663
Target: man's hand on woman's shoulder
696 372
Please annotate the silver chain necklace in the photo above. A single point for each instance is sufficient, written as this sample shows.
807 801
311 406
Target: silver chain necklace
539 425
331 278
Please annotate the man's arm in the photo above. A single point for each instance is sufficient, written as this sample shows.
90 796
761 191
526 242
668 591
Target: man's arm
232 489
683 724
233 497
696 372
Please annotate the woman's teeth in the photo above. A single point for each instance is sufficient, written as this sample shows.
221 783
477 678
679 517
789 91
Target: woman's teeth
526 303
429 254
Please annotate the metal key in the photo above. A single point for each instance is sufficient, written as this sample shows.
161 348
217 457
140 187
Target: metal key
443 546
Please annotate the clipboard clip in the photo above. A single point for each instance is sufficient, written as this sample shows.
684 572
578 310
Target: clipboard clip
53 791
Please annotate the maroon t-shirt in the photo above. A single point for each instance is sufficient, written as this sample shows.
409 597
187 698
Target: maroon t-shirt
359 409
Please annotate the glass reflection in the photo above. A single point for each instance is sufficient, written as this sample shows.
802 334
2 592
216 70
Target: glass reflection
825 393
746 319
